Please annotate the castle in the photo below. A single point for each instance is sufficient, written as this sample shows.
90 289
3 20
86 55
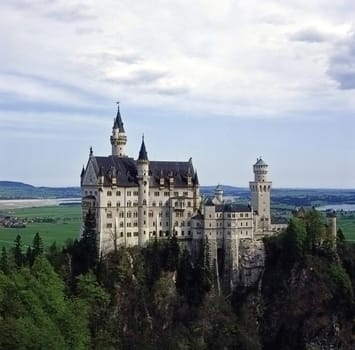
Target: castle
137 200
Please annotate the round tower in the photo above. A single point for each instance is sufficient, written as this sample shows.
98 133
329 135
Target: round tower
118 137
332 224
260 190
218 195
143 196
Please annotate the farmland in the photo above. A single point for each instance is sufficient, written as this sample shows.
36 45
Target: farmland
54 224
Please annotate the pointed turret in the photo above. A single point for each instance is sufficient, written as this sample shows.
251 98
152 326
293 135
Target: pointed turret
143 155
82 172
118 137
118 123
196 178
143 195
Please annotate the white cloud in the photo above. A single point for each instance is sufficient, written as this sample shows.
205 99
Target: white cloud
234 52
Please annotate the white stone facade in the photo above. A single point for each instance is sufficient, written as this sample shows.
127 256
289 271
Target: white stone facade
139 200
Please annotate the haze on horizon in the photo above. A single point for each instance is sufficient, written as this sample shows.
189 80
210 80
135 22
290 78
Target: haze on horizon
222 82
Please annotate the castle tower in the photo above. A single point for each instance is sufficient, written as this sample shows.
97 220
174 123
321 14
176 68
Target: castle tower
260 190
118 137
332 224
143 195
218 195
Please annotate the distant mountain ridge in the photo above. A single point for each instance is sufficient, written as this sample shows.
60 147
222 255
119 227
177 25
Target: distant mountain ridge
14 184
287 196
20 190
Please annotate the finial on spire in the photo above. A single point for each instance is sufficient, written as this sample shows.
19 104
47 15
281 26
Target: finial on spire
91 151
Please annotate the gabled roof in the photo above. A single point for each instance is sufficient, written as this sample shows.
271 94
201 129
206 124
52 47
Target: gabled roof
125 169
233 208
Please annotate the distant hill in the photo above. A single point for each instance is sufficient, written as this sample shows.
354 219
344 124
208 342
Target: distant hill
19 190
285 196
13 184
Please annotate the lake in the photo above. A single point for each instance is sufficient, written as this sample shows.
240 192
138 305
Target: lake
337 207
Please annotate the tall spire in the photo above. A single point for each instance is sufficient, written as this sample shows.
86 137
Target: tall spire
118 137
143 152
118 123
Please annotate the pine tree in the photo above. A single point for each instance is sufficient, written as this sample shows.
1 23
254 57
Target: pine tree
17 251
29 256
173 254
88 240
4 262
37 246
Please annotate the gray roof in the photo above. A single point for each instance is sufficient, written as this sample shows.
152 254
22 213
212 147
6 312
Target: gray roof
118 124
143 155
126 171
259 161
233 208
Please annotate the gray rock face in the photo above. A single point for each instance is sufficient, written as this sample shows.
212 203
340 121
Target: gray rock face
251 262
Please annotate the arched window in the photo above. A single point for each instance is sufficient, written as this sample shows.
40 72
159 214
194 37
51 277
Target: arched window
129 214
144 202
109 204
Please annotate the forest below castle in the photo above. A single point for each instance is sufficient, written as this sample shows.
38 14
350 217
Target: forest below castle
158 297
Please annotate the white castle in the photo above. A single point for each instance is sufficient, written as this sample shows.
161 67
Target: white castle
139 200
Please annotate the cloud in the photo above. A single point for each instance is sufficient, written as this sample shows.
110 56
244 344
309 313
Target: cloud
71 13
342 64
309 35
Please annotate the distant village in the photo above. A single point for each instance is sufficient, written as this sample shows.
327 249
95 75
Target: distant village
15 222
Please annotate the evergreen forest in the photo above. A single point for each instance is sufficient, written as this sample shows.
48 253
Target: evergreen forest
158 297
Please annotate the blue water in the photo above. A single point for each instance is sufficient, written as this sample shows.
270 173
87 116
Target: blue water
337 207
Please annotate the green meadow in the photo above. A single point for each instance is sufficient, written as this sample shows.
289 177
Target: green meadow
347 224
65 224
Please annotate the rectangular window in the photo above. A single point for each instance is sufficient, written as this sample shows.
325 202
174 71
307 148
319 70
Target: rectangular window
156 194
186 194
166 194
109 193
176 194
128 193
109 225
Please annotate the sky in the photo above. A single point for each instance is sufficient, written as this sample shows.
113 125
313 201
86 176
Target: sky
223 82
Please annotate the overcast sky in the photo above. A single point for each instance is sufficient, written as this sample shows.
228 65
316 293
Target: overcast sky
223 82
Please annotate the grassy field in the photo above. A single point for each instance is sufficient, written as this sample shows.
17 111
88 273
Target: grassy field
347 224
66 225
